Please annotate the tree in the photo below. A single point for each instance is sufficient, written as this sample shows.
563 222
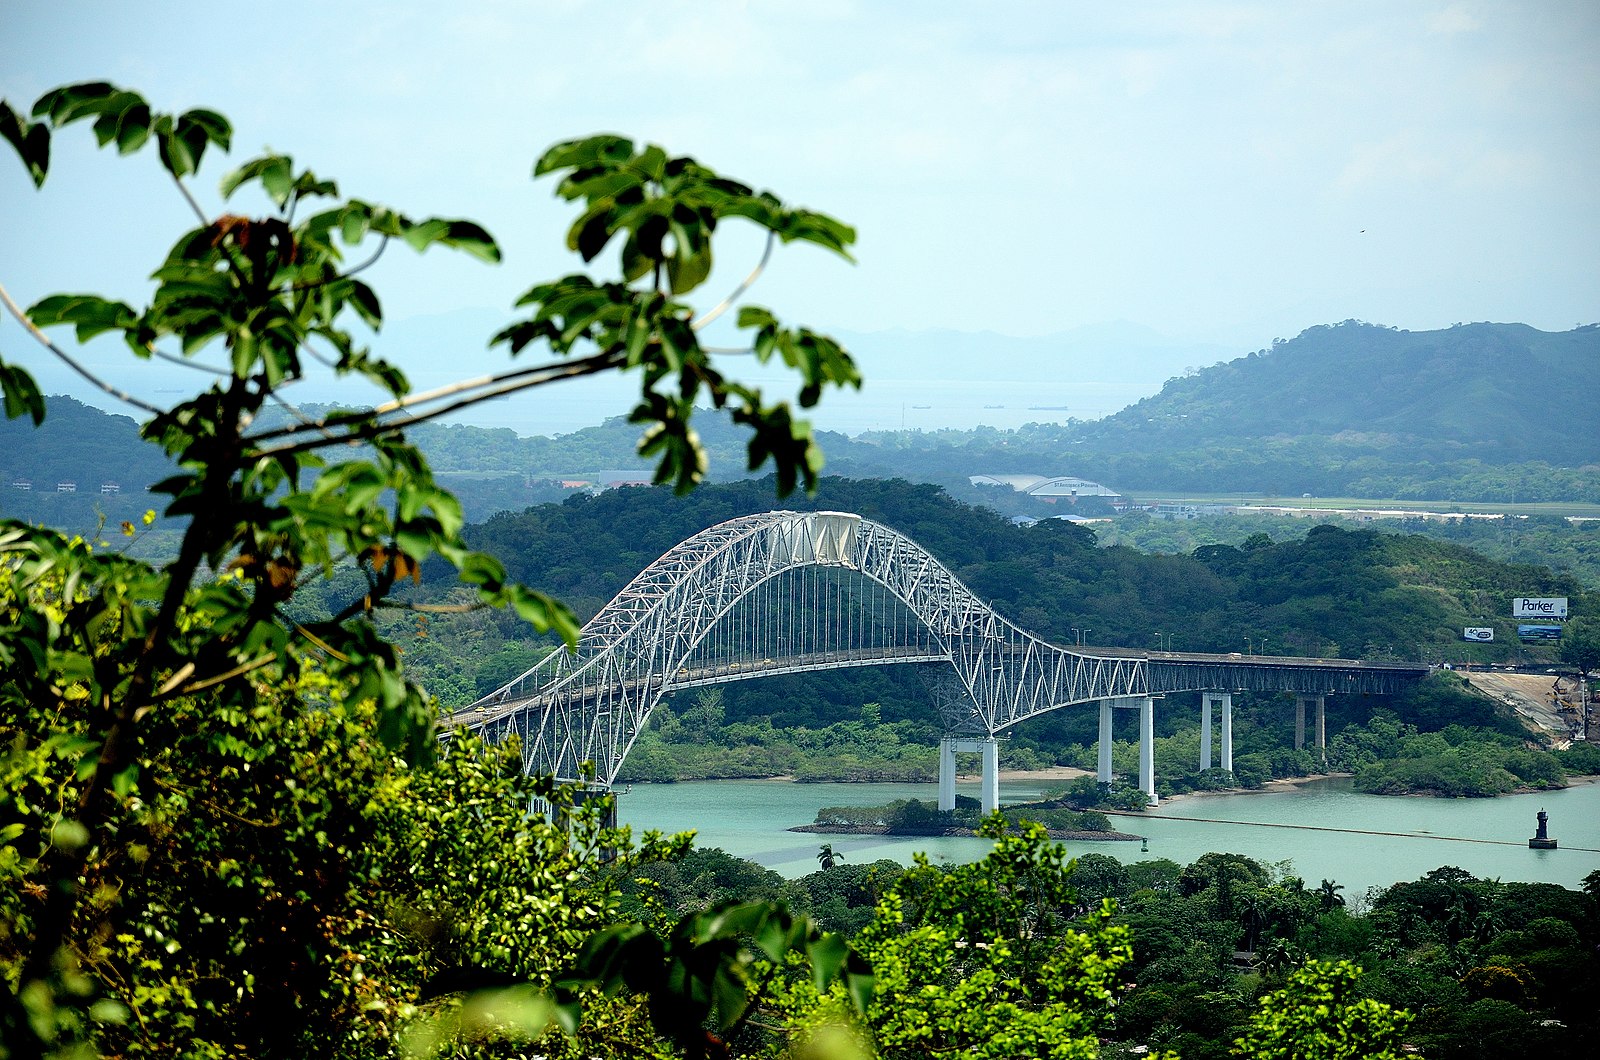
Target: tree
1580 648
979 960
1329 894
99 652
1580 644
1318 1015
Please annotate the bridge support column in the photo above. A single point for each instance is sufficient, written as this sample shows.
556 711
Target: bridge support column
1103 775
1147 747
991 775
1225 701
1320 733
989 787
947 774
1227 730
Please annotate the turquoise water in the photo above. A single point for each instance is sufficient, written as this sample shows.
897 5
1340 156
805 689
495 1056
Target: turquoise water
1487 837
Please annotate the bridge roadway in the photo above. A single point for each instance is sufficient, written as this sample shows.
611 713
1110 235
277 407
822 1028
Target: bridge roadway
1166 672
764 594
1216 675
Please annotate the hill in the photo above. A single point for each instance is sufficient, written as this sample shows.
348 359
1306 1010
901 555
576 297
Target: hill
1473 413
1333 592
1499 393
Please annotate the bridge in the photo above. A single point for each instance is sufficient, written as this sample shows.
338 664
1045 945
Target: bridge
791 592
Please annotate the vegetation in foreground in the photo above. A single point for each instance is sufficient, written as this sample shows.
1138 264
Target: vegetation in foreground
1226 949
186 871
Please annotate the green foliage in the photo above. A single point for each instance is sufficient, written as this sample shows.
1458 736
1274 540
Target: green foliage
1580 644
980 960
1318 1015
185 870
1390 759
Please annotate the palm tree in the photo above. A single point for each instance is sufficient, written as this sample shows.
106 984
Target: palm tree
827 858
1254 918
1278 955
1331 897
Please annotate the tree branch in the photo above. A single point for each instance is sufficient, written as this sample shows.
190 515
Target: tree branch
727 303
168 692
44 340
522 379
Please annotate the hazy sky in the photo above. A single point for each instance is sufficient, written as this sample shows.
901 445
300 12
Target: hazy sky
1220 172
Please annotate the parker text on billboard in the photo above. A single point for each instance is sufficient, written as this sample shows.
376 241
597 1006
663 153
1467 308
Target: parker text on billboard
1539 607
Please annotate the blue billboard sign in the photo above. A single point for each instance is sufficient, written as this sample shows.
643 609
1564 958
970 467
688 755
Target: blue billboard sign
1538 632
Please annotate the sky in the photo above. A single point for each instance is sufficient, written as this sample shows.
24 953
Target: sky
1219 173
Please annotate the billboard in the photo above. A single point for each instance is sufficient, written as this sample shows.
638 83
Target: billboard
1479 633
1539 607
1526 632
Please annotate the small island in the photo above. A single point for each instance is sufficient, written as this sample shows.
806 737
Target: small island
913 817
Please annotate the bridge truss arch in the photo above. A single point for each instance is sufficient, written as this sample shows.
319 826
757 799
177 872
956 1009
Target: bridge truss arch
589 705
732 603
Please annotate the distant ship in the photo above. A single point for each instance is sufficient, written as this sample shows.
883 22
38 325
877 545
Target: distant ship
994 406
922 406
1047 408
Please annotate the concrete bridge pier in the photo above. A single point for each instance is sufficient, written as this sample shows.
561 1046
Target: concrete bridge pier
1301 701
989 791
1103 774
1147 748
1227 731
1225 701
1146 707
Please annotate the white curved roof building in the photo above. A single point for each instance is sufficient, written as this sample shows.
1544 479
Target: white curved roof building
1042 486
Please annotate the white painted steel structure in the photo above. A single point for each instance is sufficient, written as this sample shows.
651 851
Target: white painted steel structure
785 592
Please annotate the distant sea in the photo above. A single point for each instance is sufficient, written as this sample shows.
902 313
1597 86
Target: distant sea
882 405
894 396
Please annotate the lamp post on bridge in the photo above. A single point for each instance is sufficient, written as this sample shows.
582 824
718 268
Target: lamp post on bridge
1081 634
1159 635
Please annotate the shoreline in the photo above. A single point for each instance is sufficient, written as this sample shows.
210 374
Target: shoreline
1059 773
1060 834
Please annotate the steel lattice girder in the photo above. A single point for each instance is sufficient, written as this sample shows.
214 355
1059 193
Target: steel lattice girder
588 705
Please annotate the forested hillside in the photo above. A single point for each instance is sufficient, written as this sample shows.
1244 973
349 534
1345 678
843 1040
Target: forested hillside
1499 393
1475 413
1356 593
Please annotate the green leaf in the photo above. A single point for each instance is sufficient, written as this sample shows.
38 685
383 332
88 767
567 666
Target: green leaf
90 314
71 102
354 220
133 131
210 125
233 180
176 155
277 180
31 141
22 396
472 238
365 302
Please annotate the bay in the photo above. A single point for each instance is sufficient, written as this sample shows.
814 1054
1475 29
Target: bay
1486 837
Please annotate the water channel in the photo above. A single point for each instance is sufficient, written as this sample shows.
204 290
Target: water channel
1487 837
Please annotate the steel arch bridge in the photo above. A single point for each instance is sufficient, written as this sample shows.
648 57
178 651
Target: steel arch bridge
786 592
